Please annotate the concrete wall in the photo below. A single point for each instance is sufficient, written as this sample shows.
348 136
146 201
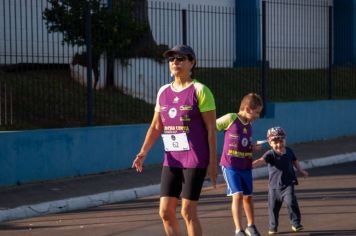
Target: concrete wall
310 121
28 156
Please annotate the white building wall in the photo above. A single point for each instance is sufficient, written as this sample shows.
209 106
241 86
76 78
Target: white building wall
24 35
297 38
141 78
297 33
212 38
27 40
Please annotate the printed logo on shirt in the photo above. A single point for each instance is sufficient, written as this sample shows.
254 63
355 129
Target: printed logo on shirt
244 142
172 112
163 108
175 129
176 100
239 154
185 118
244 130
234 136
233 145
185 108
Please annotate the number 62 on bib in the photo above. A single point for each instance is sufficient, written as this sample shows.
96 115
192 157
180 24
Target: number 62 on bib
175 142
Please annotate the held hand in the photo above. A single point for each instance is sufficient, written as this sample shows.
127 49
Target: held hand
254 165
138 162
256 147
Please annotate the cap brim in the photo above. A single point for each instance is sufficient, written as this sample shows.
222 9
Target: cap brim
172 52
169 53
277 137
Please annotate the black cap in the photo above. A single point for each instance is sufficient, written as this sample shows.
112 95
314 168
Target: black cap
181 50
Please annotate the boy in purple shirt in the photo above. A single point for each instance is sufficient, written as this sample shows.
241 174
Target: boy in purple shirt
236 160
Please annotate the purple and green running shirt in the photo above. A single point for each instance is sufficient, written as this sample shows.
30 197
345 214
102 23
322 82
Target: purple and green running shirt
183 125
237 152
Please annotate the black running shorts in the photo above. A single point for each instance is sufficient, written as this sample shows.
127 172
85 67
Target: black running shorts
184 182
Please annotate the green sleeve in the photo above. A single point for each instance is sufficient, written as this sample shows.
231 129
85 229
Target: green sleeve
206 100
224 122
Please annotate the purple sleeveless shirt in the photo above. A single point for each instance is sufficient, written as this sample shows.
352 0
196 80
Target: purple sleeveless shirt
180 113
237 152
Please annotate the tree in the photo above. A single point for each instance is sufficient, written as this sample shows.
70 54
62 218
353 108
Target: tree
115 29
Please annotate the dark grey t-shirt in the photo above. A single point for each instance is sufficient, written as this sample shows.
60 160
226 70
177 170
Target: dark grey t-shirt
280 169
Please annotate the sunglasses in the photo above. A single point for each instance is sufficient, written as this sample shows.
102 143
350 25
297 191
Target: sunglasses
178 58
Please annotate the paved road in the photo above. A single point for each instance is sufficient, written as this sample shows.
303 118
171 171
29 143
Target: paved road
327 200
82 192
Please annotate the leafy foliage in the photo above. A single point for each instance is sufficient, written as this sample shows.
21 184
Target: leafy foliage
114 28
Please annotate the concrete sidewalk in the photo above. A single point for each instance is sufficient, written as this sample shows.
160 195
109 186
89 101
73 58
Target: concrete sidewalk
69 194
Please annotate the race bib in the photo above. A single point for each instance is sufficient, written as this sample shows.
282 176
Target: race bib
175 142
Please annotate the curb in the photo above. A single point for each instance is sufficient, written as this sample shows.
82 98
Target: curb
318 162
88 201
77 203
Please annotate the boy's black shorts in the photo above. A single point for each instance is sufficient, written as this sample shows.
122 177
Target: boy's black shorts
184 182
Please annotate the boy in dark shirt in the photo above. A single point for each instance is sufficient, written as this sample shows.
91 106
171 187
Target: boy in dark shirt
282 178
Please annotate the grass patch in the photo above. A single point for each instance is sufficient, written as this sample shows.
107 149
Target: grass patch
48 98
230 85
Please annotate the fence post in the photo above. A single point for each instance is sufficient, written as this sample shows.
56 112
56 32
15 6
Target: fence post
330 53
5 105
0 105
11 109
264 61
89 63
184 26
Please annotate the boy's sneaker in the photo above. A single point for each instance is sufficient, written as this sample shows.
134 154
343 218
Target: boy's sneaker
240 233
252 231
272 231
297 228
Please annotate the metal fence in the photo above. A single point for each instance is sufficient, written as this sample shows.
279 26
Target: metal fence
284 50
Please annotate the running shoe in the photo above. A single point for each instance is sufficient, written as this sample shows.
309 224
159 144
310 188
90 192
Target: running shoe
240 233
272 231
252 231
297 228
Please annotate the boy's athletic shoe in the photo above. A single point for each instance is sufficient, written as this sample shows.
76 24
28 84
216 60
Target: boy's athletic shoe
272 231
297 228
240 233
252 231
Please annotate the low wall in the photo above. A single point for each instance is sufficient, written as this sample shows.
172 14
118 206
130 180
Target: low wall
28 156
